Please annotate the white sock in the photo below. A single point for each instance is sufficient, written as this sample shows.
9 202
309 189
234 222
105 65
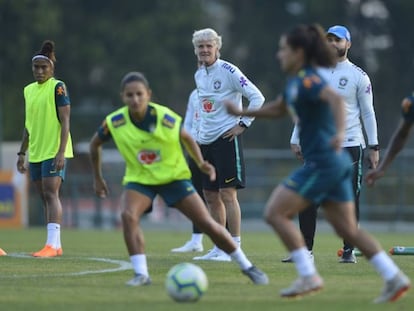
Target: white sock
58 242
384 265
303 263
53 232
237 239
239 256
197 238
139 264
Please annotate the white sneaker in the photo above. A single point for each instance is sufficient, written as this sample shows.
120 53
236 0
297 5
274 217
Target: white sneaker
189 247
394 288
214 254
302 286
289 258
139 280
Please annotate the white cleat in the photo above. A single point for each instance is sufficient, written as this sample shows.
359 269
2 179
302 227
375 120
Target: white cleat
139 280
214 254
302 286
289 258
394 288
189 247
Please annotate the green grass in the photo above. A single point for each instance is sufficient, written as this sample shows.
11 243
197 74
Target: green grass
52 284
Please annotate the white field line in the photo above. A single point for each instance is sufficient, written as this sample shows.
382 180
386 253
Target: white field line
121 266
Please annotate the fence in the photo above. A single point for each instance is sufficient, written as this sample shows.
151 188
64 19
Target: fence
391 200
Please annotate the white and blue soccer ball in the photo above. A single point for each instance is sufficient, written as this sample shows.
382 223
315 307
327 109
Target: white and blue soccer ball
186 282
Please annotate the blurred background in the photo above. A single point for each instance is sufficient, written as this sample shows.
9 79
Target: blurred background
97 42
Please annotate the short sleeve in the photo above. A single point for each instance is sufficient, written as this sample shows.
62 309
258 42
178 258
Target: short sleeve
312 86
61 95
103 132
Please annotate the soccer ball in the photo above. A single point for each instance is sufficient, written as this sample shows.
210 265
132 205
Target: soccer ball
186 282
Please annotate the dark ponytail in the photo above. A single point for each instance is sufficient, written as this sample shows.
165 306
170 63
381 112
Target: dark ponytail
48 50
312 39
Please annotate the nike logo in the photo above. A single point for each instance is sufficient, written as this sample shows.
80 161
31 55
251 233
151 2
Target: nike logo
227 180
52 172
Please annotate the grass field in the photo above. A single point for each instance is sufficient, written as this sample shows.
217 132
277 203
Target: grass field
92 272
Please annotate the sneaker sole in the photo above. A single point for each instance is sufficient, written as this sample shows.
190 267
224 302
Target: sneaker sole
187 251
400 293
287 260
309 292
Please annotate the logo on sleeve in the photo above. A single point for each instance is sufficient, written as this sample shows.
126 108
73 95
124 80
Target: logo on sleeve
243 81
228 67
61 91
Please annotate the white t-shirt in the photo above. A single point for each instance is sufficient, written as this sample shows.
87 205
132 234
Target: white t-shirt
215 84
354 85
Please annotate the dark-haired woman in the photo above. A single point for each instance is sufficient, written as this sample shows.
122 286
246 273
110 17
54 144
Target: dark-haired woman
47 140
149 138
325 177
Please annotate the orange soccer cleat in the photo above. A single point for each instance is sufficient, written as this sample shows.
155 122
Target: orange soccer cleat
47 251
59 251
2 252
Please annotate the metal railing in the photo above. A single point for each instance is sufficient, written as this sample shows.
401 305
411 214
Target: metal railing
390 200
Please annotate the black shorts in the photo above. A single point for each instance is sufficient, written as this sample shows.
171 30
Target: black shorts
357 155
227 157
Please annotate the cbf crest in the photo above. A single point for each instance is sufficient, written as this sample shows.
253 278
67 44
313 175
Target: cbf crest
343 81
217 85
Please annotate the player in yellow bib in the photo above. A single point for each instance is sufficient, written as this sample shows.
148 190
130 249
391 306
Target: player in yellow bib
47 138
149 138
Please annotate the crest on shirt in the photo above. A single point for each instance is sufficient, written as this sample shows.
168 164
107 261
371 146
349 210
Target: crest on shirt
217 84
147 156
168 121
343 81
208 105
118 120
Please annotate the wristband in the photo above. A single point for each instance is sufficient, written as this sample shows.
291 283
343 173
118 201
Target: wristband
21 153
242 124
374 147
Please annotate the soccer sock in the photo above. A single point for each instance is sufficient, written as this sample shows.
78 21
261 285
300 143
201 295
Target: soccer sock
384 265
304 264
237 239
197 238
239 256
53 232
139 264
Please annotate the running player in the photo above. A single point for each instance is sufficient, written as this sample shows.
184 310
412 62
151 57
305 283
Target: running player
354 85
47 138
325 177
397 141
149 137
